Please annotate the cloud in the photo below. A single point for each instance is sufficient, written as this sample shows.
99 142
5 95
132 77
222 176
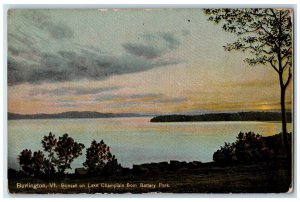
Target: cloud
60 31
172 42
171 100
41 20
146 95
62 59
154 100
252 83
119 101
163 39
71 65
71 91
148 52
65 105
89 91
154 45
20 38
186 32
104 97
21 46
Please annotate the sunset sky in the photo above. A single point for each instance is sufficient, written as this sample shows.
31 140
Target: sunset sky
138 61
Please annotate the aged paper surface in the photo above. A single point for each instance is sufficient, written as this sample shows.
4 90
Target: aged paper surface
150 100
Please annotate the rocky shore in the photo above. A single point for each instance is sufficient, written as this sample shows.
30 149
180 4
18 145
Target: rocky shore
165 177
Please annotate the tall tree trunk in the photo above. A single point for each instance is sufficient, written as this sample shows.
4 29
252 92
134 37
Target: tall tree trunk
285 143
286 147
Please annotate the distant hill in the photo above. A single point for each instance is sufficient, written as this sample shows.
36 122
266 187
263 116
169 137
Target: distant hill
71 114
240 116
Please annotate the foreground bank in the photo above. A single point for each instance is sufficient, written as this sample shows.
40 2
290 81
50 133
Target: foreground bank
167 177
252 164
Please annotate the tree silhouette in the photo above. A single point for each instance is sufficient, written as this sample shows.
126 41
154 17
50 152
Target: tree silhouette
267 35
49 144
248 147
61 154
36 164
67 150
99 158
25 161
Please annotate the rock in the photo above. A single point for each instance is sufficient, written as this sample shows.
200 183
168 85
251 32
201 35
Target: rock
163 166
194 164
183 163
80 171
174 165
12 173
118 171
145 165
197 162
174 162
140 170
126 170
153 166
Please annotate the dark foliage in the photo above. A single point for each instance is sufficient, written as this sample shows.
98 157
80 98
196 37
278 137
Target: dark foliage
265 33
248 147
61 154
99 159
49 143
240 116
36 164
66 150
25 161
275 143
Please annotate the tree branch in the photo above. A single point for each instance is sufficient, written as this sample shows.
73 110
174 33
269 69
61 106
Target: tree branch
285 65
261 26
287 53
285 14
274 67
289 78
274 15
268 52
245 31
260 15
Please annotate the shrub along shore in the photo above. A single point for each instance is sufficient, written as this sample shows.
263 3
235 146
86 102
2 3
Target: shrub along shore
253 164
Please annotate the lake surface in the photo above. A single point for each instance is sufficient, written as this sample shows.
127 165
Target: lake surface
135 140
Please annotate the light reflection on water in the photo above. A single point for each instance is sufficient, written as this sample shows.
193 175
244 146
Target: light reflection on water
135 140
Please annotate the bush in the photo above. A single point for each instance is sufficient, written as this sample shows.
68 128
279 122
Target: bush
99 160
35 165
25 161
225 154
61 154
66 150
49 144
248 147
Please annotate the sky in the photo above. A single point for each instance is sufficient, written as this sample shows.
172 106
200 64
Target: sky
161 61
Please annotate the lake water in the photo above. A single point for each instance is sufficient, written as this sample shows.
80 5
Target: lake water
135 140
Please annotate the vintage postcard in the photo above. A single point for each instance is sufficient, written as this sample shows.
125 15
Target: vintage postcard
150 100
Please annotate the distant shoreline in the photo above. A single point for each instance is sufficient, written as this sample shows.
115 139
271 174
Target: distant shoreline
240 116
73 115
